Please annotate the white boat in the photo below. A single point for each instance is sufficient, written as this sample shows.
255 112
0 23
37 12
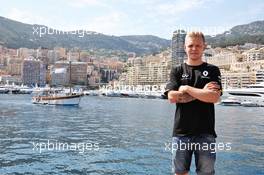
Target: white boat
230 101
253 95
25 90
249 104
57 98
4 90
21 89
37 90
111 93
91 92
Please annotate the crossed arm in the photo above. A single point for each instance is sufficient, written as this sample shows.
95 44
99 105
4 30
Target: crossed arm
210 94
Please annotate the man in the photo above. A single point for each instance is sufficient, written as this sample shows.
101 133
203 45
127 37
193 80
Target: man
194 86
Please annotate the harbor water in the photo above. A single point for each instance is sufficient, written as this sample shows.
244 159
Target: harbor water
116 136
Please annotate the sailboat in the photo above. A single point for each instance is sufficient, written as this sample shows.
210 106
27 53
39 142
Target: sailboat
58 97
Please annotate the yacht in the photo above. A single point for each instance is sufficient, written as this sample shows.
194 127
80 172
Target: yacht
230 101
252 95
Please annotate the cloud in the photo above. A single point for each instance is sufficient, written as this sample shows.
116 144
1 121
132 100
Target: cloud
117 20
85 3
26 17
177 7
256 9
124 17
250 13
111 23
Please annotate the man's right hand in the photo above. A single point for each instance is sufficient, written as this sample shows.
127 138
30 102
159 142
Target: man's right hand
173 96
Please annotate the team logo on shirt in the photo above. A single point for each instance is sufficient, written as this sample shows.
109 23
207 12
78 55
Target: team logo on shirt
205 73
185 75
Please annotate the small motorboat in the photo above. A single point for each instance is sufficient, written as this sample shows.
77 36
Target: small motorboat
57 98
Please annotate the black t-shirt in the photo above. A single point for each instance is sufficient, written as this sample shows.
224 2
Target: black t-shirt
195 117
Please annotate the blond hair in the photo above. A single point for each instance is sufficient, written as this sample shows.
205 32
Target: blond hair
195 35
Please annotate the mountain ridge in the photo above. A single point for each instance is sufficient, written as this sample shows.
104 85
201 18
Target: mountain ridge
15 34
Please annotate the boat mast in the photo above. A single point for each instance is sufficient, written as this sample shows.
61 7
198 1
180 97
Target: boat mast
70 78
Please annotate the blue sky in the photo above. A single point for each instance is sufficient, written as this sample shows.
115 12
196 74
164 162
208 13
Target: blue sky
135 17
